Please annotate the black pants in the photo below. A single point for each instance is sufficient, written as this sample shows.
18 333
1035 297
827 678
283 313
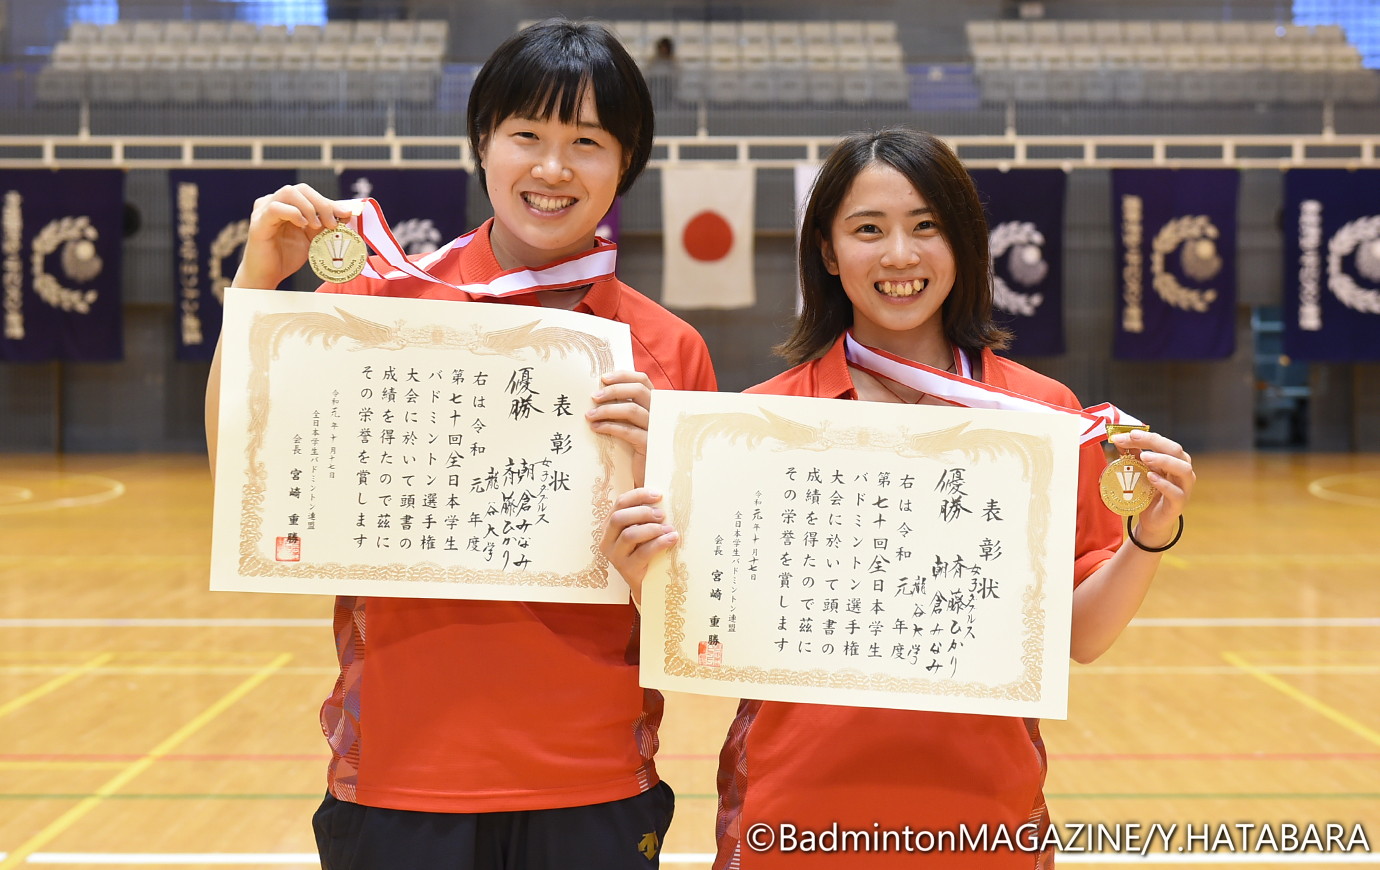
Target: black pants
619 835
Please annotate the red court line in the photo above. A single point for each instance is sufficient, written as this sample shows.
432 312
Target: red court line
1056 756
1150 756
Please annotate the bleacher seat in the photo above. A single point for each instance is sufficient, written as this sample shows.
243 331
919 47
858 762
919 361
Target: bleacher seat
1044 32
212 33
274 34
367 32
817 32
1013 32
882 33
1076 32
1170 32
1107 32
83 33
241 32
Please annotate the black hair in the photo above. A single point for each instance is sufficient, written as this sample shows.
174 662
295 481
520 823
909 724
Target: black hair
544 71
937 174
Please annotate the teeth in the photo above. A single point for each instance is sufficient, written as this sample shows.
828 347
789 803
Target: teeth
902 288
548 203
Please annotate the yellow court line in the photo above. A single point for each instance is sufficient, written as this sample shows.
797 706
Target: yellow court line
120 780
113 490
54 684
60 765
1305 699
1321 488
193 670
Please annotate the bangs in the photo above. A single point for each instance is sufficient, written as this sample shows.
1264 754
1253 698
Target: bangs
544 73
550 77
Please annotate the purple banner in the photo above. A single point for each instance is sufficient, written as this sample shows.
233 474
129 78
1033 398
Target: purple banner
1176 263
210 209
61 241
611 225
1025 216
1332 264
425 208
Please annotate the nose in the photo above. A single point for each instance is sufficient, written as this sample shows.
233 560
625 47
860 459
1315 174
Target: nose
551 167
900 252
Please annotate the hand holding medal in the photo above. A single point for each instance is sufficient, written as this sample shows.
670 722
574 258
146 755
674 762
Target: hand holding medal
1126 489
1129 485
338 254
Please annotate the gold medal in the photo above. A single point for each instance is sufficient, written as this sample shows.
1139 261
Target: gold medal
1126 490
338 254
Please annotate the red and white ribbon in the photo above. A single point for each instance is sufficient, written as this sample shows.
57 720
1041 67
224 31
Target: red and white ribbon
587 267
961 390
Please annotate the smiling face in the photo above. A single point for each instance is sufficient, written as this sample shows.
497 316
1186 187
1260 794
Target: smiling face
895 265
550 183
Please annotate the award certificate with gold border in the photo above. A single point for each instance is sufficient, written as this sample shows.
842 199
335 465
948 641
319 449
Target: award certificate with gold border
859 553
414 448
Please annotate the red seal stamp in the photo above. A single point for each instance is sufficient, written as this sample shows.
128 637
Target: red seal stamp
288 549
711 654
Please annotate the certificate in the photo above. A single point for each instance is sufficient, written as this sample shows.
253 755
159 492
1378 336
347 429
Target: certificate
414 448
858 553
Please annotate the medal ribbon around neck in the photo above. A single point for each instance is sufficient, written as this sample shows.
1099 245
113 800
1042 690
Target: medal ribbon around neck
588 267
962 391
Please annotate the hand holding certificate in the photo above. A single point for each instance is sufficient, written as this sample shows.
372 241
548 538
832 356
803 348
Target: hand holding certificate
435 449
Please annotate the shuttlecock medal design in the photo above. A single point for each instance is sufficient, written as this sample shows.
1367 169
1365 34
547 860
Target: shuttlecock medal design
338 254
1126 490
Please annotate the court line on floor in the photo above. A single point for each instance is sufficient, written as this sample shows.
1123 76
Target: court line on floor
54 684
708 796
113 490
18 760
75 814
317 622
1319 489
1307 700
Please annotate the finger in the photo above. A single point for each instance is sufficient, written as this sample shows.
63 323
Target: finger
642 495
328 212
626 392
1172 468
288 204
627 413
626 376
620 521
633 540
626 432
632 507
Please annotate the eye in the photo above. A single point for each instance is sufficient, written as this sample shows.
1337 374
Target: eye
927 226
526 134
585 140
867 229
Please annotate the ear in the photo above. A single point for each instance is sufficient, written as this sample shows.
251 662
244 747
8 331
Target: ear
826 251
483 149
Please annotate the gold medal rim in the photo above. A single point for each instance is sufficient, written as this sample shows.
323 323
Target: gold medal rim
1110 489
316 254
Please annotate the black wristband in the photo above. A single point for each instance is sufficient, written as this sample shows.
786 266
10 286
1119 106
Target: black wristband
1177 535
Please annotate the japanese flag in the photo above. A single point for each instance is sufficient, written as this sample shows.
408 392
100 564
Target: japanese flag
707 219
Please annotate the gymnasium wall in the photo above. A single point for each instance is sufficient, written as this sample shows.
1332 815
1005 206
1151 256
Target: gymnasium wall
150 402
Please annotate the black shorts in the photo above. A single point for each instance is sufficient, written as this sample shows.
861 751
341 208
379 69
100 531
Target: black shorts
619 835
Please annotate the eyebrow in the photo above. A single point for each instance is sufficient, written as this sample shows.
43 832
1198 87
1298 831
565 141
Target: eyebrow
580 122
872 213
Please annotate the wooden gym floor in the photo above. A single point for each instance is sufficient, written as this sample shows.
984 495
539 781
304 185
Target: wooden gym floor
145 721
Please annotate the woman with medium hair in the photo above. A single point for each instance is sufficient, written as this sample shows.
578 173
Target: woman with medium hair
894 261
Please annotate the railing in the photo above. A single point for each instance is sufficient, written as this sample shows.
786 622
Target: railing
765 152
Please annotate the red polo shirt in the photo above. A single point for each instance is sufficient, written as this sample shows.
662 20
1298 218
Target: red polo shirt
492 706
814 765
